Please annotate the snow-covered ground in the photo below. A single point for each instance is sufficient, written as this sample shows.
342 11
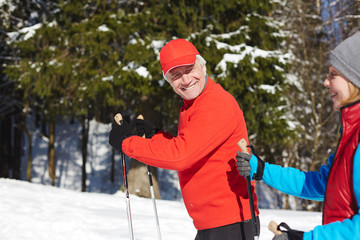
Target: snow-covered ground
38 211
31 211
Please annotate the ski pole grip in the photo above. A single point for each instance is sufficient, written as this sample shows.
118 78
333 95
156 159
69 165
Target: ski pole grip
242 144
118 118
273 228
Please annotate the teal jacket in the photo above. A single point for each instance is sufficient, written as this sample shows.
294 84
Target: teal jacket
312 185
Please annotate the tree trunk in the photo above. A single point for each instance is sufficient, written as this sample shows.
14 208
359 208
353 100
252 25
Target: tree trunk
84 142
112 171
51 152
16 146
138 180
286 204
5 140
29 156
318 7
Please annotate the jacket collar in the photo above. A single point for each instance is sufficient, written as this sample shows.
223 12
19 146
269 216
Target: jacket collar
351 112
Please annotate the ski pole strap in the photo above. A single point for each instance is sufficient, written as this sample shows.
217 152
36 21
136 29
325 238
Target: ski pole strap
260 165
292 234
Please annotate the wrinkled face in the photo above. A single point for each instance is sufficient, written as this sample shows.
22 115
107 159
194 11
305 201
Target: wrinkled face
188 81
338 87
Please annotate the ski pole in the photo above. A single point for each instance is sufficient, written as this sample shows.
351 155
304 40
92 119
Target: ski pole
152 192
118 119
154 203
242 144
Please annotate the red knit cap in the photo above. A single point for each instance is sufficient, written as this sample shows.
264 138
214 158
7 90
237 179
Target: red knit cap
177 53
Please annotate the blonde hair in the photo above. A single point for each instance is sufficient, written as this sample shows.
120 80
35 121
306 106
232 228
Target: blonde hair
354 94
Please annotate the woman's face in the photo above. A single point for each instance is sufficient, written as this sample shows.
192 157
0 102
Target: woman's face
338 87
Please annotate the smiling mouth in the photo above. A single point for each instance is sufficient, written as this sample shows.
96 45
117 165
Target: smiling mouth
188 88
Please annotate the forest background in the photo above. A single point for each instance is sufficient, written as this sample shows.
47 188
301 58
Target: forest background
74 62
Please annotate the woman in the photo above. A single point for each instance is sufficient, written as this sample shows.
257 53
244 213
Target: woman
337 184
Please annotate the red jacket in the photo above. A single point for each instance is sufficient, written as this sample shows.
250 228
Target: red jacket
340 202
203 153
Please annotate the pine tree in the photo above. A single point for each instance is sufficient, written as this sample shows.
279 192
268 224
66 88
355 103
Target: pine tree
221 29
98 58
14 15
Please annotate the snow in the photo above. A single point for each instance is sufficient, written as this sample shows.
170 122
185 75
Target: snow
243 50
35 211
39 211
268 88
28 32
103 28
140 70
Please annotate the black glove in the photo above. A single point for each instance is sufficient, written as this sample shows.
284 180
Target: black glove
118 133
288 233
250 164
144 127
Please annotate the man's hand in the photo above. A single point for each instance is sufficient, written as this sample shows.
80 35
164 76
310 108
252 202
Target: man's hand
143 127
118 133
250 165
